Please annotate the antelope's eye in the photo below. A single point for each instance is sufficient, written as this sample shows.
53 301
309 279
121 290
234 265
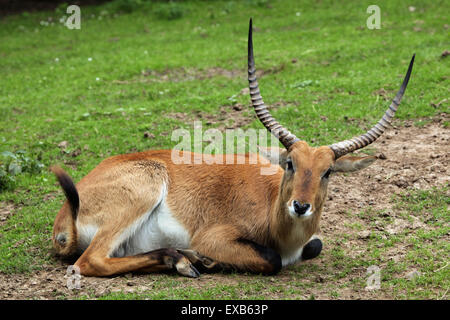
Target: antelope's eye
327 174
289 165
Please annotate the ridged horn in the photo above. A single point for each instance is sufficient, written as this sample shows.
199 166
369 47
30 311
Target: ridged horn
347 146
263 114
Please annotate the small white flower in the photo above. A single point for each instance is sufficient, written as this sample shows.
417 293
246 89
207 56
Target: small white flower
97 79
89 59
298 14
56 59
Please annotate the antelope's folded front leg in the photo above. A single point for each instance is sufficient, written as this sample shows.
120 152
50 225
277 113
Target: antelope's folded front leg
312 249
223 247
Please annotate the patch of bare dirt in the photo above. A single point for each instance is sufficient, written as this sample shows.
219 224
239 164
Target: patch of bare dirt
229 117
189 74
52 283
416 158
7 209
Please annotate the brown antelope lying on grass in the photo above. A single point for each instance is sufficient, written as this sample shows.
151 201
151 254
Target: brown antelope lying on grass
141 212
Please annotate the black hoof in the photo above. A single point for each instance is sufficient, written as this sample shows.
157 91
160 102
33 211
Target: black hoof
312 249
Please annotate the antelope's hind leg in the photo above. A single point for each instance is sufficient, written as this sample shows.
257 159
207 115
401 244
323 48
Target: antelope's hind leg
172 260
95 263
201 262
101 258
132 192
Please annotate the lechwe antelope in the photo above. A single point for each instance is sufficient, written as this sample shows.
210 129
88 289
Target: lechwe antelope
141 212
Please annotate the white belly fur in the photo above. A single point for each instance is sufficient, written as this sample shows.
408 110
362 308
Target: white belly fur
155 229
86 233
159 230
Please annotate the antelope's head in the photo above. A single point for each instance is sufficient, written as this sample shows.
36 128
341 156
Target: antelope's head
307 169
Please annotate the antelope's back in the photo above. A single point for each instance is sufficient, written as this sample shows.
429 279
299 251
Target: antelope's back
199 188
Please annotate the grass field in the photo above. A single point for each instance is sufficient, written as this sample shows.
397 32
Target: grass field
132 74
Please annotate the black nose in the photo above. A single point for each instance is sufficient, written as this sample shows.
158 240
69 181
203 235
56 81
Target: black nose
301 208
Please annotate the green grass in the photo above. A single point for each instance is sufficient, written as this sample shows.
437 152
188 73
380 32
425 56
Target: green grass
87 87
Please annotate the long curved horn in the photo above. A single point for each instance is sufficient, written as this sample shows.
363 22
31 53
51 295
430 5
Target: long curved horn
285 137
346 146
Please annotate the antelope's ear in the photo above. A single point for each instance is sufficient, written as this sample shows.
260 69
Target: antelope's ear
275 155
352 163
